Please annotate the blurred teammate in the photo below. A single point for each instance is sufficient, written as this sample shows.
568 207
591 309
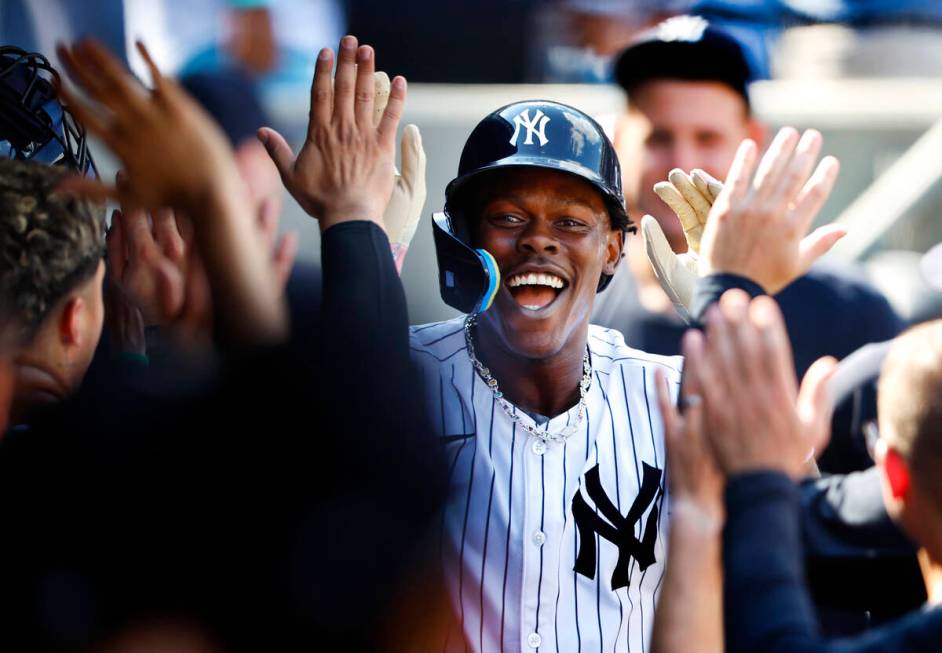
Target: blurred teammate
51 272
688 108
749 427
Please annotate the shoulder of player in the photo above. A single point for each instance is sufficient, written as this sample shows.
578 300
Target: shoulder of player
609 350
438 340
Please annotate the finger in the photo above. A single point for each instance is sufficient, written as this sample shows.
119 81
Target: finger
79 69
365 91
796 172
669 274
279 151
381 89
775 347
85 115
345 80
672 419
721 352
322 90
283 259
709 185
167 235
91 189
684 183
679 205
774 162
692 348
734 305
157 79
140 240
268 221
116 248
413 160
818 243
815 193
740 172
815 404
120 91
393 113
699 204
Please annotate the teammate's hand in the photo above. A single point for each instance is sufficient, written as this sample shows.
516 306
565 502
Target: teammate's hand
174 154
756 416
690 197
345 169
757 226
696 483
146 257
404 211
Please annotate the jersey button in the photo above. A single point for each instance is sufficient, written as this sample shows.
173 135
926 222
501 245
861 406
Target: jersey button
539 538
538 447
534 640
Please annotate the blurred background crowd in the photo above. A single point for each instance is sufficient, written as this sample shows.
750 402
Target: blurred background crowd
867 73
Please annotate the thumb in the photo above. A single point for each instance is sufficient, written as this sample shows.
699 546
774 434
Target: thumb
814 401
664 261
818 243
413 158
278 150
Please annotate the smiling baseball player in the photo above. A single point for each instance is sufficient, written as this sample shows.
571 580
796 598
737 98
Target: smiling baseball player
554 535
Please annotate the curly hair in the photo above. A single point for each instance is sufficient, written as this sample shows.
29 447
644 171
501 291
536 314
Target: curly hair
50 243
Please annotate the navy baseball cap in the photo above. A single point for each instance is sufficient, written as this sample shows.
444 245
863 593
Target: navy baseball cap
686 48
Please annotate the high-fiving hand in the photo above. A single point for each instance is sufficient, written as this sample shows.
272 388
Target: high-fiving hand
345 169
754 225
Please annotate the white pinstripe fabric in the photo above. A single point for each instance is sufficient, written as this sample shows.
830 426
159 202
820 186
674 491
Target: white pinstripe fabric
510 591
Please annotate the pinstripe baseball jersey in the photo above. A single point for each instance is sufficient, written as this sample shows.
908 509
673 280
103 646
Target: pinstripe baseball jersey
551 546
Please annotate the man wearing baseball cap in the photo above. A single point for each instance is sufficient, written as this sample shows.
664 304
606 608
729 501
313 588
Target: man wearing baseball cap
689 108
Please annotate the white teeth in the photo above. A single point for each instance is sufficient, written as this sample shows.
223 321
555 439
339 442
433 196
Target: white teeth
532 307
533 279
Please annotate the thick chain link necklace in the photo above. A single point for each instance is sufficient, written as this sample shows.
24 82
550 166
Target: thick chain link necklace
508 408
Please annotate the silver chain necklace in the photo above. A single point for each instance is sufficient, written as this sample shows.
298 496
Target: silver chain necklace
491 382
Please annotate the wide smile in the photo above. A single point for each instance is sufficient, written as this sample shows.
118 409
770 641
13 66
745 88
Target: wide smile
535 291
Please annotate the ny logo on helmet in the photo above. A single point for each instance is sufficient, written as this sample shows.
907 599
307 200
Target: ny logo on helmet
537 127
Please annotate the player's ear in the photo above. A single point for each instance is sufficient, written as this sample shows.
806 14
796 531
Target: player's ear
613 250
71 320
897 473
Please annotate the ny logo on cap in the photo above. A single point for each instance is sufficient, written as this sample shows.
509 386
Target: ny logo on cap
617 529
682 28
537 127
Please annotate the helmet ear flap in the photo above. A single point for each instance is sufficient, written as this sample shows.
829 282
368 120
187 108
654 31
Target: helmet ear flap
468 278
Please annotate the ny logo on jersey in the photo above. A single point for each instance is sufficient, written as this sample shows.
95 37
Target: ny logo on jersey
536 127
618 530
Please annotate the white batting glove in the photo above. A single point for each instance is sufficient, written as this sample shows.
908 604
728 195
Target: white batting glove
404 210
402 214
690 197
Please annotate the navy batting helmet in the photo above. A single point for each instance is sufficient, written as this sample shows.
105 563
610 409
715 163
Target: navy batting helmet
535 134
33 123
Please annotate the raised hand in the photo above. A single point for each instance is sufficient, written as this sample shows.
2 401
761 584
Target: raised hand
172 151
174 155
696 483
146 261
757 225
756 416
345 169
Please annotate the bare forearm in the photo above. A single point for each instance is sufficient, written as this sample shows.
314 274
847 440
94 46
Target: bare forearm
689 613
245 293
